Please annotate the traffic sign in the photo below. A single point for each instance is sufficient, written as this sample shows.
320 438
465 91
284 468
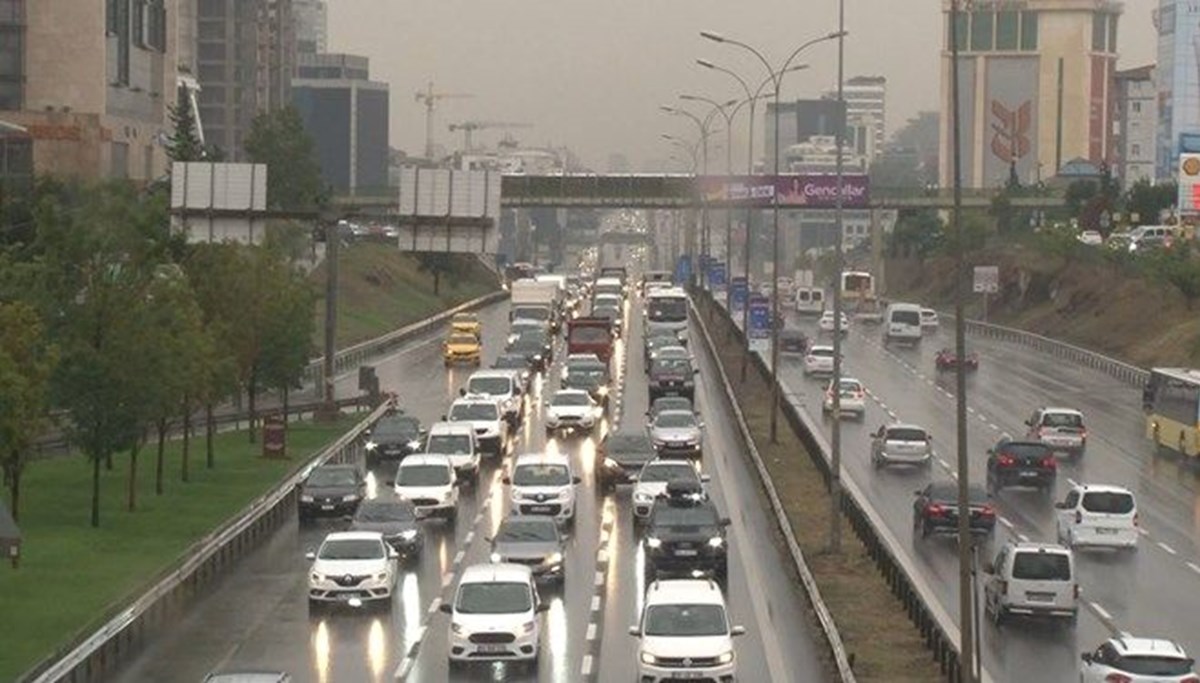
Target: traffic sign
987 279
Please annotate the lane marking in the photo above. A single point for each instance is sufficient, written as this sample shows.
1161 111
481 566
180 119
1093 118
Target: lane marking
458 558
595 603
1101 611
403 669
1194 567
469 538
1007 523
1167 548
591 631
599 578
586 669
447 578
434 606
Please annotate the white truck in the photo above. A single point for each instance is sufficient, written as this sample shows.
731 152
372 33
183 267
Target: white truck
535 300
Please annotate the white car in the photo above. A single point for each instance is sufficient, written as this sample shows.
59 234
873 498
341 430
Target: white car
457 442
486 416
494 615
1091 238
572 409
1097 515
819 360
685 633
929 318
653 479
503 386
543 484
826 322
853 398
429 483
1129 659
352 567
1032 580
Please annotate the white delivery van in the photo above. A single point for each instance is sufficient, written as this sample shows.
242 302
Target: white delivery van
810 300
902 324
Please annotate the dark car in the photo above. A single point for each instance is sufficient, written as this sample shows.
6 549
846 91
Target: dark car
612 313
393 437
792 341
620 457
935 510
663 403
396 520
947 359
685 535
331 491
672 376
544 337
533 350
591 377
531 540
516 361
1021 463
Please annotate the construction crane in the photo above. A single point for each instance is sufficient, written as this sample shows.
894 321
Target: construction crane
429 98
469 127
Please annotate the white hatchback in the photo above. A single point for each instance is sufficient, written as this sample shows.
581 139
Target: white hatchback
853 400
352 567
685 633
1097 515
652 482
826 322
572 409
543 484
819 360
494 615
1129 659
929 318
429 483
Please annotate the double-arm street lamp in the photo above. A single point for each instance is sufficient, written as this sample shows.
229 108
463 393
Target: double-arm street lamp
726 110
705 133
776 78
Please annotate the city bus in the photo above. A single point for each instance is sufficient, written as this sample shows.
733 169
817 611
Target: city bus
1171 400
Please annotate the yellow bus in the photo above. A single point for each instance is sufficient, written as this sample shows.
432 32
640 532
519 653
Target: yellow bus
1171 400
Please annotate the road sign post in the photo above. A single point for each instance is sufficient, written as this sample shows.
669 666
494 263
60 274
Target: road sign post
987 281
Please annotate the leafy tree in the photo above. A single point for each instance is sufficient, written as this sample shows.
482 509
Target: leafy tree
287 329
26 362
918 233
1147 200
184 143
1078 193
437 264
211 268
279 140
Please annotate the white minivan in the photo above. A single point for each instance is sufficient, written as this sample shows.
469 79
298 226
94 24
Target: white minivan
494 615
1098 515
543 484
810 300
902 324
1032 580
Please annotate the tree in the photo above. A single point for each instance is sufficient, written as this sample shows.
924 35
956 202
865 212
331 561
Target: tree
287 329
1078 193
1147 200
918 233
184 143
210 269
26 362
279 140
437 264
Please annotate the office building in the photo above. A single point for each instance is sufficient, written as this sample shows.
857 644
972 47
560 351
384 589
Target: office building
798 121
1137 123
1178 25
866 100
312 25
1035 84
89 82
347 115
246 55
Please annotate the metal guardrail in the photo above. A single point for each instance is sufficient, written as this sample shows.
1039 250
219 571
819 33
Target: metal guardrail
96 655
829 630
937 628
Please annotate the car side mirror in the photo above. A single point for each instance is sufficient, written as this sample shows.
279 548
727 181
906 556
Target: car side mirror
506 480
366 432
918 492
446 608
462 391
725 521
576 480
393 554
737 631
700 425
991 451
423 432
635 631
696 371
310 556
542 607
989 568
1062 505
705 478
443 418
1086 657
1029 423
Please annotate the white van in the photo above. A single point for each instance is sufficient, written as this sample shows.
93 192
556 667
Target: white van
810 300
1095 515
902 324
1031 579
501 385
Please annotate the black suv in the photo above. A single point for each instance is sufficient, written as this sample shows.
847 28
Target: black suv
394 436
1021 463
672 377
685 535
331 491
935 510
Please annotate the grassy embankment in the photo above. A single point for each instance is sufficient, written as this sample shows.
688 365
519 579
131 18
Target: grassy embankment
873 624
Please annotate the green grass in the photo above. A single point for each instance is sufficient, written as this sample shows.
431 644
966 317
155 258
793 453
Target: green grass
71 574
382 289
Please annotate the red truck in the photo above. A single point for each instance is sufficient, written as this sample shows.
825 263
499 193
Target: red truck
590 335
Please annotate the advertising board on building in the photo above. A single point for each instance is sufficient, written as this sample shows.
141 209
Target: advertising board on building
1189 185
1012 114
816 190
738 290
444 210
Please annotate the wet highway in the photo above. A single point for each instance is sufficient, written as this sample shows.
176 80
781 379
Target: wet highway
1152 592
257 616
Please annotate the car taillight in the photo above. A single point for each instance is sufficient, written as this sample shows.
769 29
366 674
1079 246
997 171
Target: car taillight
1117 678
935 510
1191 679
1005 460
1049 462
987 511
1135 523
1076 591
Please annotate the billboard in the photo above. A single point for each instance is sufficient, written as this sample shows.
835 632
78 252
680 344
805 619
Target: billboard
795 191
760 324
1011 109
1189 184
1178 81
203 186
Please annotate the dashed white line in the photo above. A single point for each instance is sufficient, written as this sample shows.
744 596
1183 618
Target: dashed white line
1101 611
1194 567
447 578
1142 531
469 538
458 558
595 603
1169 550
994 426
591 631
403 669
434 606
586 669
602 556
599 578
1006 522
1072 482
1023 537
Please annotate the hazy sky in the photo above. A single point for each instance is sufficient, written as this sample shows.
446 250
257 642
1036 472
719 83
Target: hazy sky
591 74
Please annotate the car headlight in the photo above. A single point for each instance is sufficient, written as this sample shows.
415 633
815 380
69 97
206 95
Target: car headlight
371 445
381 577
306 498
537 357
495 557
716 541
350 498
603 391
408 534
609 462
653 542
642 497
317 577
447 495
554 558
648 658
725 658
414 444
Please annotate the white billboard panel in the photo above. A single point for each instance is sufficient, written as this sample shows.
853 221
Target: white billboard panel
206 186
471 239
436 192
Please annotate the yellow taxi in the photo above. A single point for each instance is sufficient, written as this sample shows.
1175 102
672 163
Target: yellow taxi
462 347
467 322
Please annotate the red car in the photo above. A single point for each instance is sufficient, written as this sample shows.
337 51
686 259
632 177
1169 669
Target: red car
947 359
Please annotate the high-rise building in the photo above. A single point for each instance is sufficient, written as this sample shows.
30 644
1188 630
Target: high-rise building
1137 122
866 100
798 121
347 115
1035 88
90 83
246 59
1178 25
312 25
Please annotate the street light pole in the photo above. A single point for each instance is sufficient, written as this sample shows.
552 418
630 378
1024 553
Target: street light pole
698 275
719 108
835 441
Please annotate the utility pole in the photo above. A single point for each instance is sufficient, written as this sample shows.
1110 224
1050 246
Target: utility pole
835 457
429 98
333 236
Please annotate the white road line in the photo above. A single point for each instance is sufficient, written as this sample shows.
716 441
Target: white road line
1006 522
586 669
1194 567
403 669
1023 537
458 558
591 632
1143 531
479 517
1167 548
602 556
994 426
1101 611
595 603
434 606
1071 482
468 538
599 578
447 578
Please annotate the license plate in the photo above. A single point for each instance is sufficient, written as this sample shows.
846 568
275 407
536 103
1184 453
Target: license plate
687 674
492 648
326 507
686 553
1106 531
1028 475
539 509
1040 597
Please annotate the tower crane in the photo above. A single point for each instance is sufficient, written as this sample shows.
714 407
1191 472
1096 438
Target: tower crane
469 127
429 98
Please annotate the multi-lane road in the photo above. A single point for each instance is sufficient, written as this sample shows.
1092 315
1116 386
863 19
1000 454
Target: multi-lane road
257 616
1154 592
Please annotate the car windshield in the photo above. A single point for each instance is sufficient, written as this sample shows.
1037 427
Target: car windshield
820 352
352 549
464 319
1109 502
1062 420
450 444
592 373
1041 566
668 473
533 530
905 434
947 493
673 420
489 386
671 403
570 399
332 476
671 366
463 339
541 474
401 427
494 598
689 515
526 346
667 309
906 317
606 312
385 511
685 620
849 386
1144 665
423 475
1025 451
461 412
590 335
